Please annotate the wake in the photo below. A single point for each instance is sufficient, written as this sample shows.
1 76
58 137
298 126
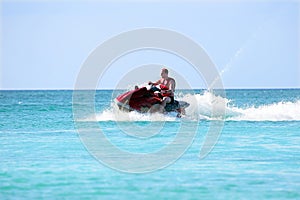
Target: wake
208 106
280 111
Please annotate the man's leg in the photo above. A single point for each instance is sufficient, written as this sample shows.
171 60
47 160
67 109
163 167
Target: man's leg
164 103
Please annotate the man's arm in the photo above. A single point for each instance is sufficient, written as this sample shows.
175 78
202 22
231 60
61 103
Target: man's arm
156 83
172 85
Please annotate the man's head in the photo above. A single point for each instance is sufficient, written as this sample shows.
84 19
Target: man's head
164 73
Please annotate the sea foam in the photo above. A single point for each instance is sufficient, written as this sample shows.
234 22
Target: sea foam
208 106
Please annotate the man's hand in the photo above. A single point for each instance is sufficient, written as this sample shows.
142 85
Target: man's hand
165 92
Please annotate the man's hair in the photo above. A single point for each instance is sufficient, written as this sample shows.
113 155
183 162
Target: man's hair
165 70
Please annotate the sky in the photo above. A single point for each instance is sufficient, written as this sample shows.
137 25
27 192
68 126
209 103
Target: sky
253 44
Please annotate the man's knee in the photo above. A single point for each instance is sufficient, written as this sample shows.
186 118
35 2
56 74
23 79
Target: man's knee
167 99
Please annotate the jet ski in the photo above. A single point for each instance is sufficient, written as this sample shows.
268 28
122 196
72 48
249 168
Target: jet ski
147 100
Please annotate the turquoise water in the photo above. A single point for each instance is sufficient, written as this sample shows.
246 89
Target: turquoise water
256 157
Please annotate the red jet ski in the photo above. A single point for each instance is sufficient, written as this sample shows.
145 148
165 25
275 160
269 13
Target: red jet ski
143 100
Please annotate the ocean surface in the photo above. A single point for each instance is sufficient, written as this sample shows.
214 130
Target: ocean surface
256 156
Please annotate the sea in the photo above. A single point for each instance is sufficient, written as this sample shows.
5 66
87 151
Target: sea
243 144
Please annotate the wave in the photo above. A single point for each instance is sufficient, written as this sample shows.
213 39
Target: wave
202 108
281 111
38 131
114 114
208 106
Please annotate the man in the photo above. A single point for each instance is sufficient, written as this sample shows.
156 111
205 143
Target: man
167 85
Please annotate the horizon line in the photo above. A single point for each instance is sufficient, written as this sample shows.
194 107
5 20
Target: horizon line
72 89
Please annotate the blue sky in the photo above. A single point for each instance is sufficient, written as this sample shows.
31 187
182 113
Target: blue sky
256 44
